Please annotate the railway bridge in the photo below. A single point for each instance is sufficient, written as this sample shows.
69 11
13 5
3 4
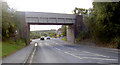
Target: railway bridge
72 21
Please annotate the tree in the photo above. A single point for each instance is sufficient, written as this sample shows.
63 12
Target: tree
51 34
104 21
10 21
80 11
64 30
82 31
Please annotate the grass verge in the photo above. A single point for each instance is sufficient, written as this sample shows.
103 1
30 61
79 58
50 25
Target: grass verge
8 47
65 39
0 49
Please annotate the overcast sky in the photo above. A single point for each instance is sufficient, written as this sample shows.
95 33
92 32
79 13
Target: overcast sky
54 6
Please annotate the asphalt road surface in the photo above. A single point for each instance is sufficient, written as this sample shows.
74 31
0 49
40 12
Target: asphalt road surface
56 51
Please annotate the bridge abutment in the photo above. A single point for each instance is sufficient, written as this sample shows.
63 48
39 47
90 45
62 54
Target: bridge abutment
75 29
78 24
28 34
70 34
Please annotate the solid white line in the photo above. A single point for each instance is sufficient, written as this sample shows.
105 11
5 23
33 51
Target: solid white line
32 55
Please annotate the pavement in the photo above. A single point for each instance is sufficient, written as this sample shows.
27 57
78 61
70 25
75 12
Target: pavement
57 51
19 56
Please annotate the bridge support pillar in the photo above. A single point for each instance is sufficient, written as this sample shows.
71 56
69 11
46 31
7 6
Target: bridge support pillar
28 34
70 34
25 28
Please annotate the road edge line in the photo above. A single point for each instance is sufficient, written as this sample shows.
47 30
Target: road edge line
30 57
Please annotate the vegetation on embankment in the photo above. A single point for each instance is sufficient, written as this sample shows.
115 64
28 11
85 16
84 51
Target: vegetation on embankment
10 46
64 30
11 27
63 33
0 49
102 22
38 34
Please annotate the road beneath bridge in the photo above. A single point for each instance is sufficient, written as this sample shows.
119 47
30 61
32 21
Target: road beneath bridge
57 51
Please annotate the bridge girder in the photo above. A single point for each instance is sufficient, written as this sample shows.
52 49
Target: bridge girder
54 18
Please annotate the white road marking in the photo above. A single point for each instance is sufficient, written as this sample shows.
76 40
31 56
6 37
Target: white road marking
57 49
36 44
90 57
106 57
73 55
90 52
96 54
85 57
32 56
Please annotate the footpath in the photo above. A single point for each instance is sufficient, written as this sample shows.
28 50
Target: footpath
20 56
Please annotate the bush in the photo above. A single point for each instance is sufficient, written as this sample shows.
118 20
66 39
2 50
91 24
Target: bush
65 39
30 40
82 35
